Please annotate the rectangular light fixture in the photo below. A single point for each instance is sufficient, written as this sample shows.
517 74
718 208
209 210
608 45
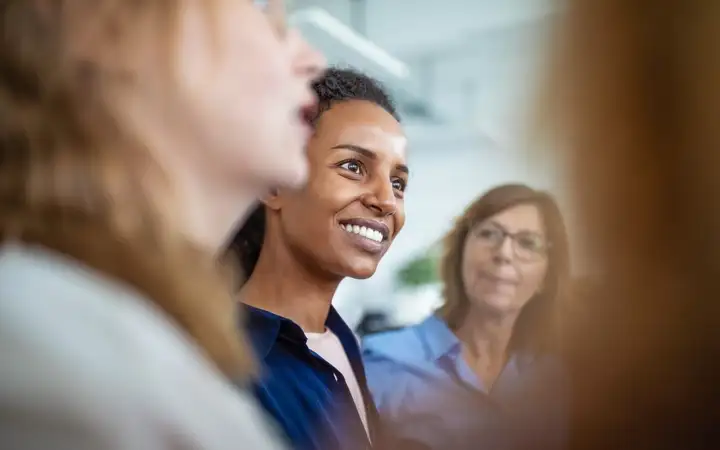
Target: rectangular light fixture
343 33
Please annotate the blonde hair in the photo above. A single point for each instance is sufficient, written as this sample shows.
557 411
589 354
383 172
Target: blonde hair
536 327
634 97
74 180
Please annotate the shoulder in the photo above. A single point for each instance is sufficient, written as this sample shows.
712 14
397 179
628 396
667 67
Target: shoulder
50 302
392 361
393 345
88 352
552 374
393 356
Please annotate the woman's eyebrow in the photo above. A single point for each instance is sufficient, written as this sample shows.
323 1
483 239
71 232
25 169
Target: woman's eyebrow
369 154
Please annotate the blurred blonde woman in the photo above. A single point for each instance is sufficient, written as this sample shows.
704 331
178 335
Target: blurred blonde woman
635 103
134 136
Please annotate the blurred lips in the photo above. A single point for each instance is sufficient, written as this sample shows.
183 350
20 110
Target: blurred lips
305 114
499 279
308 110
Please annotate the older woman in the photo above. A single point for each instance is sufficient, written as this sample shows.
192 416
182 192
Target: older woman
485 363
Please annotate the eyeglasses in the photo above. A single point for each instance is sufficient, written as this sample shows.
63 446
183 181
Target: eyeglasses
527 245
276 11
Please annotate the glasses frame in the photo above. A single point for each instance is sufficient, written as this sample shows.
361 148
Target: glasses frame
534 256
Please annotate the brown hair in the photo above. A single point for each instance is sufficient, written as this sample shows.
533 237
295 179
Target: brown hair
635 100
71 177
536 327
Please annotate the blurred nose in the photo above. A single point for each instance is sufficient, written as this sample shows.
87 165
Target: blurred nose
381 198
504 252
309 62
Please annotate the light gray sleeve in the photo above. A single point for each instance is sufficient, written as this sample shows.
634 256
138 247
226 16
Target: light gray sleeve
85 363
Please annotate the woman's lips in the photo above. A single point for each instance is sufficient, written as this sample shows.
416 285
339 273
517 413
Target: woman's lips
499 279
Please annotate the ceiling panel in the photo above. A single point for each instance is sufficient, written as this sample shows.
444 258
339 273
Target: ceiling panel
472 62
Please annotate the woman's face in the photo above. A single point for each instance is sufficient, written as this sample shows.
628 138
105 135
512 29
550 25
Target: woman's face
244 82
505 259
353 207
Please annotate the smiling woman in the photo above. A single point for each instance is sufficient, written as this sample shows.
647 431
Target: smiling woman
298 247
358 142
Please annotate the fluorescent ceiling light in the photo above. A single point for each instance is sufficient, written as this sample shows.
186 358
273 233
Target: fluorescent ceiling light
324 20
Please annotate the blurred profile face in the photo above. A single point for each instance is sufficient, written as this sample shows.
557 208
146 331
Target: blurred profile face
505 259
353 207
244 82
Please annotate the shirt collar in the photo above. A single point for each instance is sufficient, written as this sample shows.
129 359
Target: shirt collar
438 339
265 328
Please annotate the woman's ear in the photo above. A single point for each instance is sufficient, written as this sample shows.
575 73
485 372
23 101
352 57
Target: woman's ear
273 199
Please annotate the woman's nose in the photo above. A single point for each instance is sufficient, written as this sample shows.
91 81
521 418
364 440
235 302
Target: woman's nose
504 252
381 198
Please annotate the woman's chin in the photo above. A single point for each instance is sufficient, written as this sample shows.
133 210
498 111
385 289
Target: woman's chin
360 270
362 275
499 302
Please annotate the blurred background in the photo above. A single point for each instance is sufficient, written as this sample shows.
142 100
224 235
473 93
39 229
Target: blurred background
462 73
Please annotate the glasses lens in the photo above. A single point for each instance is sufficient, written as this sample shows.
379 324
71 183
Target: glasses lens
489 234
530 246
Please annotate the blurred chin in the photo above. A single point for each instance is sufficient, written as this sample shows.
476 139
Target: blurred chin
287 172
497 301
294 177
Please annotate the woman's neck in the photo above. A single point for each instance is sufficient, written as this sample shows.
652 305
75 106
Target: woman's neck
284 286
209 217
485 340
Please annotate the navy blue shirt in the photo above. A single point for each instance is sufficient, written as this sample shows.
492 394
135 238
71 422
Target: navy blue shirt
306 395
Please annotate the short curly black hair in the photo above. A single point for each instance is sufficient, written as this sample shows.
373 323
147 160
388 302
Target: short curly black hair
338 85
335 86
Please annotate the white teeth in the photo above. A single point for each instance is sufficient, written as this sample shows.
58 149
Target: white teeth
365 232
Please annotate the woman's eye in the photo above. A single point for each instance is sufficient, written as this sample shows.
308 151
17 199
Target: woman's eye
399 184
533 243
352 166
489 234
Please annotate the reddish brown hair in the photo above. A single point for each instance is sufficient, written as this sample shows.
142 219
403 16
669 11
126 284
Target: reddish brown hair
536 327
635 101
74 180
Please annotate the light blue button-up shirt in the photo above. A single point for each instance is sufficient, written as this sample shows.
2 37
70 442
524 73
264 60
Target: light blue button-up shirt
426 393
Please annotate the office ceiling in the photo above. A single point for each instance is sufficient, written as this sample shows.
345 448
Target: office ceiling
472 63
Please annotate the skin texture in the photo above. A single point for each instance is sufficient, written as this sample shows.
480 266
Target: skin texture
357 170
223 115
252 79
357 160
495 278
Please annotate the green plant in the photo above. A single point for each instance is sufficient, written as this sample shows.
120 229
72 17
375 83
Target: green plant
419 271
